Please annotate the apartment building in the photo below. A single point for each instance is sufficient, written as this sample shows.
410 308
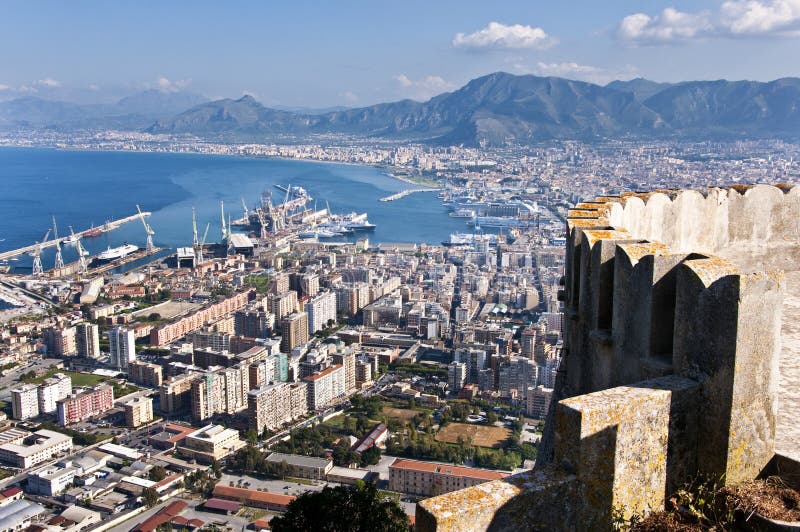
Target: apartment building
82 406
430 478
25 402
121 347
24 449
272 405
87 340
320 309
138 411
294 331
212 442
145 373
52 390
325 386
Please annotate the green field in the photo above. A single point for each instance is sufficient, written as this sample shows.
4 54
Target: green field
78 379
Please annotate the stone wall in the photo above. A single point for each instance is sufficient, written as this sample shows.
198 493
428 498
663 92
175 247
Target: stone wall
673 316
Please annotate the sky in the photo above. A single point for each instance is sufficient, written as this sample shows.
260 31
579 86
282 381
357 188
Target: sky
319 54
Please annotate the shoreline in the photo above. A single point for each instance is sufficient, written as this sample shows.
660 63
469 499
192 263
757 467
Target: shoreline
385 168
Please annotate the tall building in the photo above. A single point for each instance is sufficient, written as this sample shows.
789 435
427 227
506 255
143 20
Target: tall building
272 405
175 393
537 401
321 309
282 304
294 331
52 390
347 359
60 342
85 405
518 374
122 348
456 376
325 386
528 342
138 411
145 373
254 323
25 402
87 340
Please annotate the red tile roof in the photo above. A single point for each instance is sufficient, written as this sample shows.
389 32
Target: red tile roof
228 492
221 504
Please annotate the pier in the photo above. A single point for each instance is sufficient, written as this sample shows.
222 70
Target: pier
406 192
108 226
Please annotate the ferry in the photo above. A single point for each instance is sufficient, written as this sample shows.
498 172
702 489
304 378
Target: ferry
116 253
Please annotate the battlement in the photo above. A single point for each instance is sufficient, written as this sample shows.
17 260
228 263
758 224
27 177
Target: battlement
681 356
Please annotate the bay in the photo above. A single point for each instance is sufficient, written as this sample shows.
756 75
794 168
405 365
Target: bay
81 188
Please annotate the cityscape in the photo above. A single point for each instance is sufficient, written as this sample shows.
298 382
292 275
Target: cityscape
562 309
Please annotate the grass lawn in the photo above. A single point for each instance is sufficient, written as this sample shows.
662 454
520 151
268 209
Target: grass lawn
78 379
480 435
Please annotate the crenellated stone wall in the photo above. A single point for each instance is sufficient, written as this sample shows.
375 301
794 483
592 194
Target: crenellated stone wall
674 318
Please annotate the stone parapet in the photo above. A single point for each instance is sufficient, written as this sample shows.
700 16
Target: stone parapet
671 359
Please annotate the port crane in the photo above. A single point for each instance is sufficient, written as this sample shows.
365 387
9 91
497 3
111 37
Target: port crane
79 248
59 263
199 254
246 212
147 229
222 216
36 268
231 248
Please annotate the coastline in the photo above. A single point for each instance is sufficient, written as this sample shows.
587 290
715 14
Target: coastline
385 168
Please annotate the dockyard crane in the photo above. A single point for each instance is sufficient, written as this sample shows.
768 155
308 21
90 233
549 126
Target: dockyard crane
36 267
199 251
149 245
59 258
222 216
231 250
246 212
79 248
263 223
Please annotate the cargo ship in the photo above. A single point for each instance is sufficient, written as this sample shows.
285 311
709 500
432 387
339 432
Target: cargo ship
112 254
93 232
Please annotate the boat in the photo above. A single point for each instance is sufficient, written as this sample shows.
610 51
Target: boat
116 253
462 213
93 232
317 233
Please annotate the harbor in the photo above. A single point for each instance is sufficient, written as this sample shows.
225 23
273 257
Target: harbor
407 192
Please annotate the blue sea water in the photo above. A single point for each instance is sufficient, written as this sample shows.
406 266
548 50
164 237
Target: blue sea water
81 188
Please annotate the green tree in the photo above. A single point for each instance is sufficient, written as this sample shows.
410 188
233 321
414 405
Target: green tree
158 473
371 456
150 497
343 509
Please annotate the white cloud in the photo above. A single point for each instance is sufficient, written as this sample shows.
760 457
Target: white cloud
5 87
48 82
735 18
167 85
572 70
755 17
423 88
349 96
497 36
670 25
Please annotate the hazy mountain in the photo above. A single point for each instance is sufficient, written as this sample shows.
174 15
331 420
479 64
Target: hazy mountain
640 87
731 107
495 109
133 112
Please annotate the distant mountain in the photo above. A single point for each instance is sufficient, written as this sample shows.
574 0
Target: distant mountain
731 107
133 112
496 109
640 87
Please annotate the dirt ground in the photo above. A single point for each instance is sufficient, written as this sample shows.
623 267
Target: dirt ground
481 435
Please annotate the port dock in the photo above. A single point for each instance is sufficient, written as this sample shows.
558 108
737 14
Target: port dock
108 226
407 192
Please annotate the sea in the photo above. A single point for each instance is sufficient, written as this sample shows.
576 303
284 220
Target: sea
84 188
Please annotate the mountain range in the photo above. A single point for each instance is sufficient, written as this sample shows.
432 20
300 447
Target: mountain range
496 109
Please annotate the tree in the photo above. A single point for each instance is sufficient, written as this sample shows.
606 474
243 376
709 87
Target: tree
371 456
158 473
150 497
342 509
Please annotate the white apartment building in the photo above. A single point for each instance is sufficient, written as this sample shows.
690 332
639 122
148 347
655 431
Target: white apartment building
53 389
320 309
25 402
87 340
122 347
325 386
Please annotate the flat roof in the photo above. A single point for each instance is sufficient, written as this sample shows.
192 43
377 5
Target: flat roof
253 495
298 460
51 438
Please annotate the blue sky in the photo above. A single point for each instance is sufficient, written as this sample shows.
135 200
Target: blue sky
327 53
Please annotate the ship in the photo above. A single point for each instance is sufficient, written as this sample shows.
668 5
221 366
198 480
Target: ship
295 191
116 253
352 222
93 232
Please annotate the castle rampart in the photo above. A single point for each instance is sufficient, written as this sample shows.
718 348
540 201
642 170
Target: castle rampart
682 356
